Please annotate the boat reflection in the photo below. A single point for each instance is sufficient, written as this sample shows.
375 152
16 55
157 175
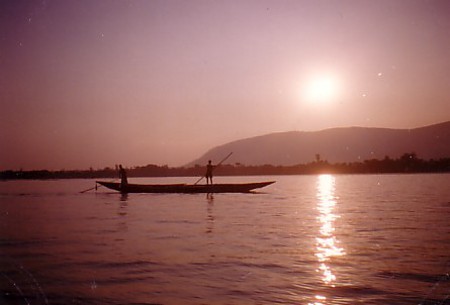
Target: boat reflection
210 216
124 197
327 245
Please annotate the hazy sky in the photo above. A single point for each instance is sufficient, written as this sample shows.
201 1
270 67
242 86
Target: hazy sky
96 83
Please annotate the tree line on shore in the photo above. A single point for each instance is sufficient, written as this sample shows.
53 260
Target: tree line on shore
407 163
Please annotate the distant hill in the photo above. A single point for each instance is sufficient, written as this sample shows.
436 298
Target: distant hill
350 144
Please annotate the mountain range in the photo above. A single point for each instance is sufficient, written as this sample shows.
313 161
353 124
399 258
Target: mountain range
335 145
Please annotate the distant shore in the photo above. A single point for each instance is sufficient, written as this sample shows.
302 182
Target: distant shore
407 163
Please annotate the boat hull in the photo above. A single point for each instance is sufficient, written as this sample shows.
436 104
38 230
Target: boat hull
186 188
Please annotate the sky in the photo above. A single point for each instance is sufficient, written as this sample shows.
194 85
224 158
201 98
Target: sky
97 83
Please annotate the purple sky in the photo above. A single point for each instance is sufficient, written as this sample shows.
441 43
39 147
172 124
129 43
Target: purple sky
97 83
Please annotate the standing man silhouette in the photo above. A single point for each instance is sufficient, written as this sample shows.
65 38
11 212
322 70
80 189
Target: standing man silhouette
209 174
123 177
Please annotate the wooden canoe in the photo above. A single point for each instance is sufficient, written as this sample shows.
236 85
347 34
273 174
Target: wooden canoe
186 188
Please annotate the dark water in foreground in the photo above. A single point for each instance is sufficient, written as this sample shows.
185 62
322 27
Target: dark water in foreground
318 240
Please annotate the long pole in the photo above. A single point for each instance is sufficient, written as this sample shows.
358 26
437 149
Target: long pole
215 166
95 187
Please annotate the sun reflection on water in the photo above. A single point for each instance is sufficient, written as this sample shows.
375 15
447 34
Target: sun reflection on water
327 245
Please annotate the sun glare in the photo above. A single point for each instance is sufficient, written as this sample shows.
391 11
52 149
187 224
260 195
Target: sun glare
320 89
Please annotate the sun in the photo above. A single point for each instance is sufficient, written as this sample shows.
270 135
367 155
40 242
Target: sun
320 89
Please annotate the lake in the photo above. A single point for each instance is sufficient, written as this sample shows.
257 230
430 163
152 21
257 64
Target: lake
313 240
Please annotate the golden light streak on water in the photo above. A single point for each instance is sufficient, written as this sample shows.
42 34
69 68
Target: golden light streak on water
319 300
327 245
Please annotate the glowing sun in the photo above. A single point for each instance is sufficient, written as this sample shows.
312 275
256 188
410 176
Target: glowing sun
321 89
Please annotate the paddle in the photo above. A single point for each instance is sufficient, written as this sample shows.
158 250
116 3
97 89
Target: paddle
215 167
95 187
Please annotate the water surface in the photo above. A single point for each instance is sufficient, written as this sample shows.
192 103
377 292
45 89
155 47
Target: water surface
344 239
